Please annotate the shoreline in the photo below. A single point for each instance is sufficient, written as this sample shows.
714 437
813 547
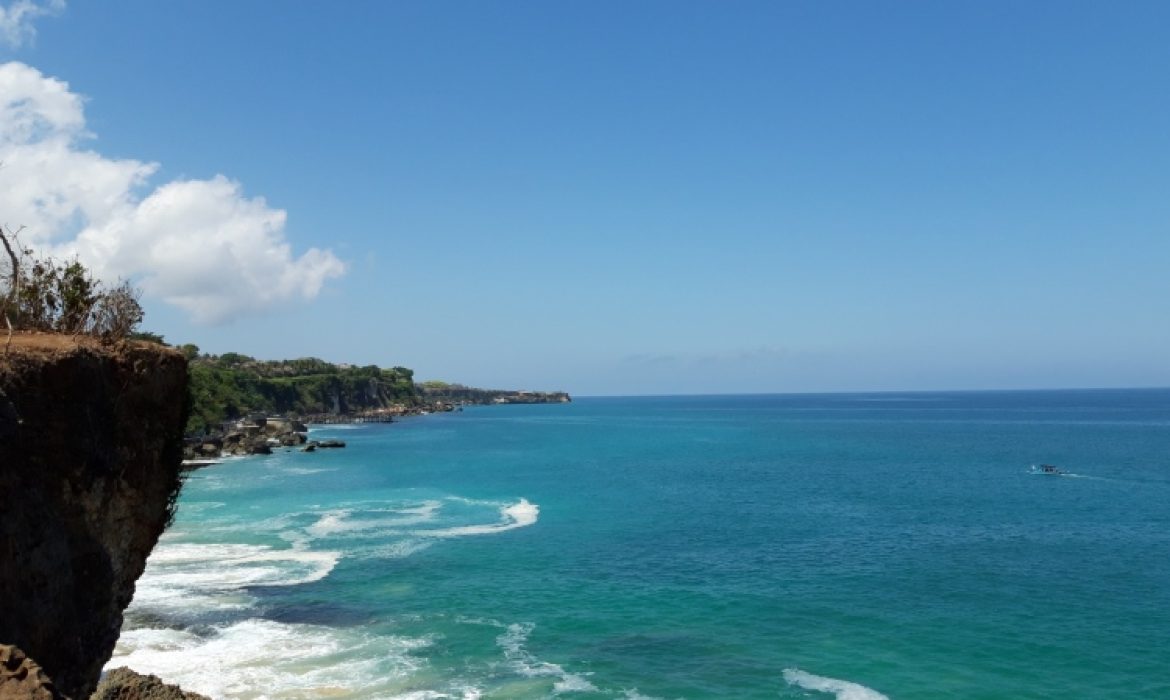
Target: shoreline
259 433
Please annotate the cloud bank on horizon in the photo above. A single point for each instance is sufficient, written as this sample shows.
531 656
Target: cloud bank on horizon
201 245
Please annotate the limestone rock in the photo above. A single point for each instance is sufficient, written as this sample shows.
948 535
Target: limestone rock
124 684
21 678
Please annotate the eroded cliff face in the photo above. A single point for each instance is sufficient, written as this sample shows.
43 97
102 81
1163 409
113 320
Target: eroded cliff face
90 446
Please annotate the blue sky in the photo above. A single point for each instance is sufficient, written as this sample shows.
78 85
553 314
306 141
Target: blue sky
626 198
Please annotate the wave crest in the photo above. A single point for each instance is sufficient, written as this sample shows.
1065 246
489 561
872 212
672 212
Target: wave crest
842 690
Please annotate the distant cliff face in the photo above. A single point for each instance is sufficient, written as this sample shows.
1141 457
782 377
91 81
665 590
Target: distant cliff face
232 386
90 445
457 393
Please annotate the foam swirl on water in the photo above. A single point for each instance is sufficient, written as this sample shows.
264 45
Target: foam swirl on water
372 522
842 690
526 664
517 515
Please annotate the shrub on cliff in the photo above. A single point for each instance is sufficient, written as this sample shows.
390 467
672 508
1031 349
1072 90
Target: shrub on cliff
44 294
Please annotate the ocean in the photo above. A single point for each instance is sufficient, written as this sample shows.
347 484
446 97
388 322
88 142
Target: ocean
848 546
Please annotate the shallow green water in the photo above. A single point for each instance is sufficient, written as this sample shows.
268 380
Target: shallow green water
849 546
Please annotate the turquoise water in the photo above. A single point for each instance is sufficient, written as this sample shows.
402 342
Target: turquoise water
836 546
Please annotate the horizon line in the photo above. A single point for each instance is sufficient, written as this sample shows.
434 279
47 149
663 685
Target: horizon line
869 392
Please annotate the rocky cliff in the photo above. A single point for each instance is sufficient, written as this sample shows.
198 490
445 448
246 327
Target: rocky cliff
90 445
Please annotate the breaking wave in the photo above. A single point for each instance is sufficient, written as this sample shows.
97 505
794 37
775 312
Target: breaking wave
264 659
842 690
190 580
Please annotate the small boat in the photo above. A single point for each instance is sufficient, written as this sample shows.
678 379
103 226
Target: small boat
1050 469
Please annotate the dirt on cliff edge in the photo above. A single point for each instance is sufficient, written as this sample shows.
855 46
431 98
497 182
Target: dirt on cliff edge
90 446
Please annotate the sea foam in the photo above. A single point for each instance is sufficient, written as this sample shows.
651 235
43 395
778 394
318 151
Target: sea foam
517 515
398 550
188 580
227 566
526 664
265 659
372 522
842 690
195 618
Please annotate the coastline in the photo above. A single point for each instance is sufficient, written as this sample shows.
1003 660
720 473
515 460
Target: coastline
261 433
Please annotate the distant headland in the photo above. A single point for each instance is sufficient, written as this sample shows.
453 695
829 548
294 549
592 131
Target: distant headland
241 405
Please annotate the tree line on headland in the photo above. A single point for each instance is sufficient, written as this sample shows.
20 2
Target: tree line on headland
230 386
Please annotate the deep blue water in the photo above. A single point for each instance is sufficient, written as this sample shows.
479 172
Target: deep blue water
849 546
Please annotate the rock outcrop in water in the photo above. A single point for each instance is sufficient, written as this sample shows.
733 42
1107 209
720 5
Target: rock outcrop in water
124 684
90 446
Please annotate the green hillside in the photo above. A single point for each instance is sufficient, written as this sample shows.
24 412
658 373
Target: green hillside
229 386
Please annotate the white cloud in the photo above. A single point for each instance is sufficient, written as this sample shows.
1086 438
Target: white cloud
201 245
16 19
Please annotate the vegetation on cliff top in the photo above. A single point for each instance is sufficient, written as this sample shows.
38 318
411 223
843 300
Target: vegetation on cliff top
44 294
